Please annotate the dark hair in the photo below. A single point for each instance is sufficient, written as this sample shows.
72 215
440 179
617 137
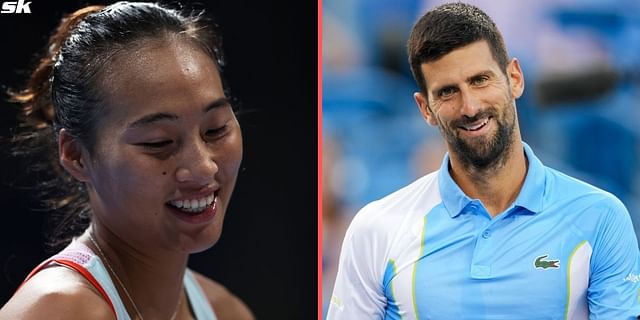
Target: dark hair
63 91
449 27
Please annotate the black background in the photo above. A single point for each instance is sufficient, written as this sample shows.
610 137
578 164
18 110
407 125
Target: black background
268 250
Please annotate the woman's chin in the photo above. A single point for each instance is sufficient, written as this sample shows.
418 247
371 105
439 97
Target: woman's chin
201 242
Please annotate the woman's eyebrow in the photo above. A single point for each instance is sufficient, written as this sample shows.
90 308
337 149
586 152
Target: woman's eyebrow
152 118
220 102
163 116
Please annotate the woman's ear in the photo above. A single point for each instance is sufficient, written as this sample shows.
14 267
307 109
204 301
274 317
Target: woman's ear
72 157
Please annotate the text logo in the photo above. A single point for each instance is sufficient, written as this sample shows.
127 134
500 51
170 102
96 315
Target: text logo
632 278
16 7
541 263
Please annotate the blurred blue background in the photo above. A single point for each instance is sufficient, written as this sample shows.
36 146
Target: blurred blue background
581 61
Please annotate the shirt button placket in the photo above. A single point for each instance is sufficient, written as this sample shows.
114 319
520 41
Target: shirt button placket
480 261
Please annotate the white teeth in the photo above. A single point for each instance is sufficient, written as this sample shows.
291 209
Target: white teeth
194 205
476 127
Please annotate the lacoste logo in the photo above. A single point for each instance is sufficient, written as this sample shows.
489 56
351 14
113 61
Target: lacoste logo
546 264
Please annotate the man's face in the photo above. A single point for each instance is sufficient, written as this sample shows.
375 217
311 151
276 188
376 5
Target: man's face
472 102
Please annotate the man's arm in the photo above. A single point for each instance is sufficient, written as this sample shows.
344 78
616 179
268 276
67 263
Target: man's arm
358 290
614 284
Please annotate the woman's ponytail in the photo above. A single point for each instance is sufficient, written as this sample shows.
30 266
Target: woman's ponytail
37 108
36 138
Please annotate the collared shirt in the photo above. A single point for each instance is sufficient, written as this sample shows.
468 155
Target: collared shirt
563 250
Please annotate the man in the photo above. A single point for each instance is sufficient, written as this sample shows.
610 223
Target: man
493 234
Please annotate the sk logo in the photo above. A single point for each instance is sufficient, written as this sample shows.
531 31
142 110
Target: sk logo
545 264
16 7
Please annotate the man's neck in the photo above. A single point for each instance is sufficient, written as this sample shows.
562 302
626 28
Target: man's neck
496 187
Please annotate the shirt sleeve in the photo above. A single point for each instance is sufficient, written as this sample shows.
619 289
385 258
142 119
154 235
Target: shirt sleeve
614 286
358 292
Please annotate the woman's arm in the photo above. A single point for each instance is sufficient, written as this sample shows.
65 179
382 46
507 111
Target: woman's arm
225 304
57 293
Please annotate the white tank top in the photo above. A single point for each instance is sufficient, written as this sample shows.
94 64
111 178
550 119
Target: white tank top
82 259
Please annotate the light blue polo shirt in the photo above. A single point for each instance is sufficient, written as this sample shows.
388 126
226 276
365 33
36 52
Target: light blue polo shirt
563 250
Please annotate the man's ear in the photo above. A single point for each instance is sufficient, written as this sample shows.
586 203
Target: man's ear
423 105
516 78
72 157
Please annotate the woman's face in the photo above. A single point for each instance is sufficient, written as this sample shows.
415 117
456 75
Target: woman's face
168 148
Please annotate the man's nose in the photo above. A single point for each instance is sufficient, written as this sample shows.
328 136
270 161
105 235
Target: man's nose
470 103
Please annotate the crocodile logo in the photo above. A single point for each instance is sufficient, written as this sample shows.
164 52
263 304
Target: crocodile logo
540 263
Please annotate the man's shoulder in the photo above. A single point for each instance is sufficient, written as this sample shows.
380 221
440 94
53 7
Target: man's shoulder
406 204
384 227
581 196
566 186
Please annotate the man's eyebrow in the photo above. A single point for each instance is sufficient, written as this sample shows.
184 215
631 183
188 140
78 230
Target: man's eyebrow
487 73
220 102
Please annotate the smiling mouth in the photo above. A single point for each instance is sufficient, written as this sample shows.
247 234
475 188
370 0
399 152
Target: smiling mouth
476 125
194 205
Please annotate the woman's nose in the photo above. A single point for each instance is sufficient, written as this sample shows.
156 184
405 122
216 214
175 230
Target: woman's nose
198 165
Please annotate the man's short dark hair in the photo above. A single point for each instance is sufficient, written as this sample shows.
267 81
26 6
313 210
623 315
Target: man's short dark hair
449 27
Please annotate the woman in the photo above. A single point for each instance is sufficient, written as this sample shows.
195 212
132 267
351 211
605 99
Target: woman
149 149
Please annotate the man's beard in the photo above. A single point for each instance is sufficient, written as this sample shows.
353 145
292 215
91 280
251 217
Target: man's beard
483 153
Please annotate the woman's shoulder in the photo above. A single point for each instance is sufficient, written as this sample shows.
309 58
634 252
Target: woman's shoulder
225 304
57 293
